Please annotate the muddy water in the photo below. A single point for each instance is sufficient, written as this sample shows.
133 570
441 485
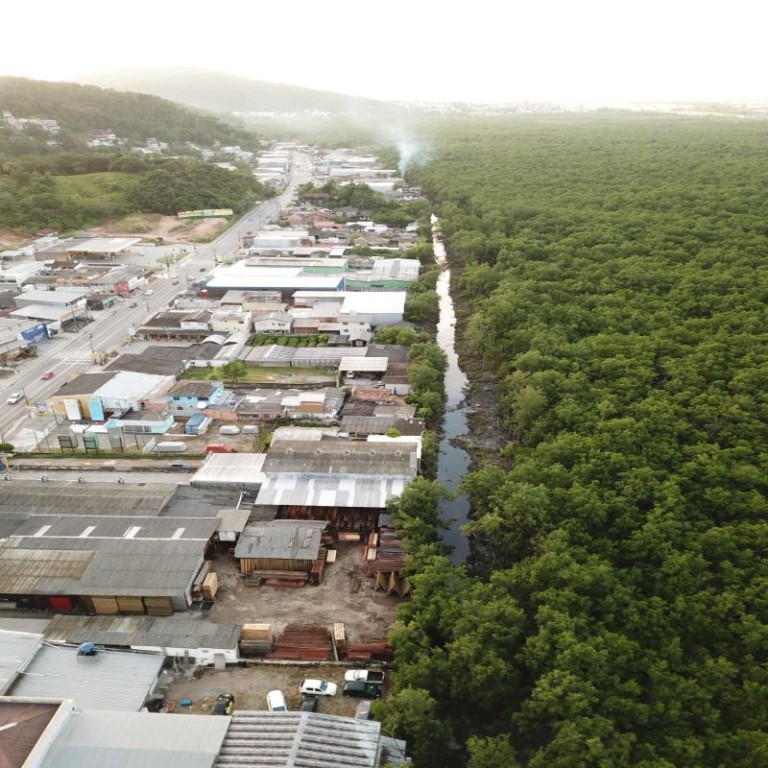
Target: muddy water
453 461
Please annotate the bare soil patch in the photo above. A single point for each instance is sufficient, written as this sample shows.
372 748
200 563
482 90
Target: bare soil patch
167 227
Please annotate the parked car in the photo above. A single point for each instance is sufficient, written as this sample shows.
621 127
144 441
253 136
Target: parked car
363 710
309 704
203 269
250 429
362 690
47 375
317 688
276 702
229 429
149 292
179 465
14 397
218 448
225 703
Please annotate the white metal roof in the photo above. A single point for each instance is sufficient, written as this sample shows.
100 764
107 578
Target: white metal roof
231 469
104 245
371 302
43 312
137 740
313 491
128 385
16 651
364 364
110 680
284 279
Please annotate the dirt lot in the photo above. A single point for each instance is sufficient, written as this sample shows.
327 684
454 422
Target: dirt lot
366 615
138 225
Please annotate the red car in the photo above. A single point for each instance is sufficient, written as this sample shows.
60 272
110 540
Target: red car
47 375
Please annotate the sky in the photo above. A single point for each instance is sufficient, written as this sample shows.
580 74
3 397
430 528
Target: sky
607 51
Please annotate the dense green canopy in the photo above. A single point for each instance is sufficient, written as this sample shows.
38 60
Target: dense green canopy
611 274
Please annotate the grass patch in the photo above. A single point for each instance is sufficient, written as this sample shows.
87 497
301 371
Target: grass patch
96 192
258 374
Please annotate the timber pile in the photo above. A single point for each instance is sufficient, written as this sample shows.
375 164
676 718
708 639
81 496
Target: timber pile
303 641
277 578
372 650
388 557
256 639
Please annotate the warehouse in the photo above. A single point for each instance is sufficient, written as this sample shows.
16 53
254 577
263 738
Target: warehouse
103 564
347 484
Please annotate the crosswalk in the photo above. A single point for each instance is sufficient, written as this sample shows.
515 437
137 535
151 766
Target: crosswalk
74 356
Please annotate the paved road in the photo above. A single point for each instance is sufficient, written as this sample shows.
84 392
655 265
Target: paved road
69 354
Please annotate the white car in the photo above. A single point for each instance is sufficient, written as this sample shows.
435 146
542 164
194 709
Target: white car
276 702
229 429
14 397
317 688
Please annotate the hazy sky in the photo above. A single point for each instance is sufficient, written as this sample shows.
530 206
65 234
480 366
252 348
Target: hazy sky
476 50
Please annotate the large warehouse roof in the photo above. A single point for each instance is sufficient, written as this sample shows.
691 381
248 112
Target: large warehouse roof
110 567
373 302
147 631
347 492
110 680
335 457
16 651
299 740
137 740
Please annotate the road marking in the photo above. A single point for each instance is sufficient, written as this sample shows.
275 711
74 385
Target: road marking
74 356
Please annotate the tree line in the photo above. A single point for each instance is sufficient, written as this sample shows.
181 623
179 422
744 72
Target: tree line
610 275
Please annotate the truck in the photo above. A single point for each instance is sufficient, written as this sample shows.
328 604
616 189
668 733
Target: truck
364 675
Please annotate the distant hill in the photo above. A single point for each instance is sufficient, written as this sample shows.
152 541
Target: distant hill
219 92
83 109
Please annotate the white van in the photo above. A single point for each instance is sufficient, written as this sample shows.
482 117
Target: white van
229 429
250 429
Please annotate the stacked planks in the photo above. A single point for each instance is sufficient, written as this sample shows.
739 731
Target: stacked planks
372 650
256 639
303 641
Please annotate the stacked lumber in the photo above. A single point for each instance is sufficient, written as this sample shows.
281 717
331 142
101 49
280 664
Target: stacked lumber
277 578
210 586
372 650
303 641
388 557
340 638
256 639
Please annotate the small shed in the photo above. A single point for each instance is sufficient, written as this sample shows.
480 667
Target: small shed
280 545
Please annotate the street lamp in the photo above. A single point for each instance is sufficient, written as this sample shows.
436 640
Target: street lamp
90 342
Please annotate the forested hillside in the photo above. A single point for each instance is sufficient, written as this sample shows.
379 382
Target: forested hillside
56 181
83 109
611 274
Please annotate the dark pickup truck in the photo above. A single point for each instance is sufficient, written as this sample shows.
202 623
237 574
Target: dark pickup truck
361 689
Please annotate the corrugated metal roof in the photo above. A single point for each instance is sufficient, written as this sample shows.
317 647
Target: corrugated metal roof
110 680
176 631
271 353
380 425
299 740
281 540
364 492
303 433
137 740
241 469
339 457
233 519
374 302
16 650
31 497
364 364
99 527
77 566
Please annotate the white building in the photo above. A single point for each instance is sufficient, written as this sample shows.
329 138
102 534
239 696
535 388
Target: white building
231 321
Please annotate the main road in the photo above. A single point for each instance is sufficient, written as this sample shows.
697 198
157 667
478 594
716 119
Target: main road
70 353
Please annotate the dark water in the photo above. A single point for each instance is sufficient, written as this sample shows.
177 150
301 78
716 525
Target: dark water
453 461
